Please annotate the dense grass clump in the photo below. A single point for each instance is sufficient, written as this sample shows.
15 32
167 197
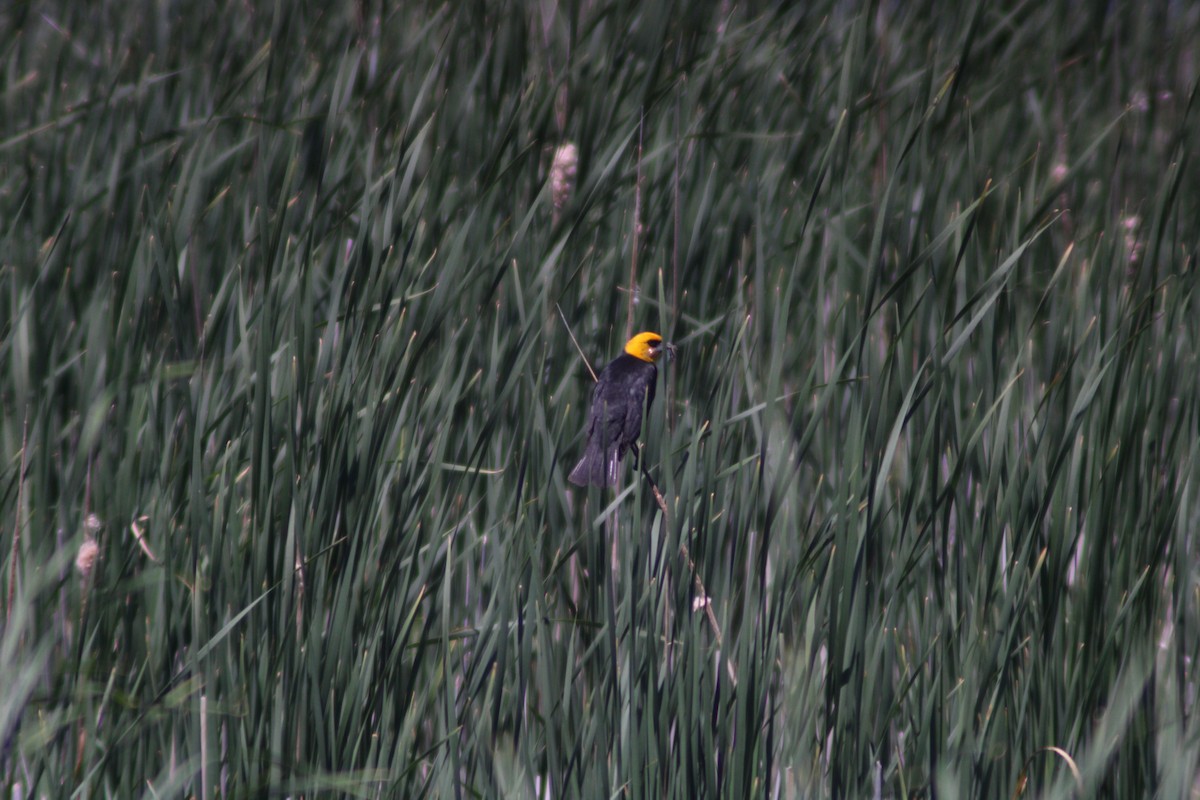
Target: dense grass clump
289 303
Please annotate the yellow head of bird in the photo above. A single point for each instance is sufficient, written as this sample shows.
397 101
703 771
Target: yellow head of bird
648 346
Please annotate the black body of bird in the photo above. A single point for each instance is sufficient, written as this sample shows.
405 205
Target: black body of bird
623 390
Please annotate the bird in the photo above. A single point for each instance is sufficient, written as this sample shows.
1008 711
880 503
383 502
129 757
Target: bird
623 390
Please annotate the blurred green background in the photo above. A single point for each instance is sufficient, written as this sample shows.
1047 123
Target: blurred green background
289 395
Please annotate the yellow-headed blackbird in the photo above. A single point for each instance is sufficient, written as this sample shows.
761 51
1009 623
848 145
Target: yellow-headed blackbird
624 388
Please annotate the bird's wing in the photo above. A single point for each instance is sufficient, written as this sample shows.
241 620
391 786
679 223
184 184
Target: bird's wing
632 424
608 416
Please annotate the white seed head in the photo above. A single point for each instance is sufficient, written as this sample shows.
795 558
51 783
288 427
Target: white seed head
562 174
85 559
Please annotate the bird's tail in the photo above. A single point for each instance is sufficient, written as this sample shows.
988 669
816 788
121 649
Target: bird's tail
597 467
